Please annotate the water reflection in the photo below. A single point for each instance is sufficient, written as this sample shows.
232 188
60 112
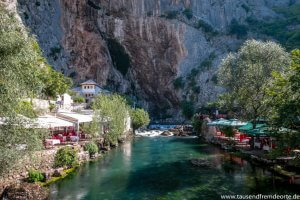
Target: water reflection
161 168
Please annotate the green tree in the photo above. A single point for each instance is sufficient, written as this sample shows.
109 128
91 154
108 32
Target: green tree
55 82
246 74
284 95
78 99
188 109
66 157
20 63
92 148
114 109
139 118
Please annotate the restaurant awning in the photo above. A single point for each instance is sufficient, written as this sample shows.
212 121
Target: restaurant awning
249 126
78 118
218 122
262 131
49 121
225 122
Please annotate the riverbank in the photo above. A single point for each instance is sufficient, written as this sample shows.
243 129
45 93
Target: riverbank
261 158
162 168
16 179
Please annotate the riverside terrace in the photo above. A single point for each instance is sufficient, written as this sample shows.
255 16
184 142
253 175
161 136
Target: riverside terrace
63 126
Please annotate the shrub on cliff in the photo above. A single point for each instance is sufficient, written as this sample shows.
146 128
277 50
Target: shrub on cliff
35 176
178 83
92 148
139 118
188 13
66 157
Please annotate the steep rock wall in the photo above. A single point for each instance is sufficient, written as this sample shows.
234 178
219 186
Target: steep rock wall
161 38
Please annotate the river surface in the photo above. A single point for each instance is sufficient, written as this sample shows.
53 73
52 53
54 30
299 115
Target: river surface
159 168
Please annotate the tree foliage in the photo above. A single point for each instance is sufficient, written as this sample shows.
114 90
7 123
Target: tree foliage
188 109
113 109
92 148
246 74
66 157
284 93
20 64
139 118
55 83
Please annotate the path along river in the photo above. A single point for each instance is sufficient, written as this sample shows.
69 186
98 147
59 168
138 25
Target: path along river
160 168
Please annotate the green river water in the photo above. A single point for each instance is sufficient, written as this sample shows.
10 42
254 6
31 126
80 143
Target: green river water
160 168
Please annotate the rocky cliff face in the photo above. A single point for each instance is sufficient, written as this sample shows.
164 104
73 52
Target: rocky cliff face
142 47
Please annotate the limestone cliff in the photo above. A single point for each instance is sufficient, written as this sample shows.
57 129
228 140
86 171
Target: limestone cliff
143 47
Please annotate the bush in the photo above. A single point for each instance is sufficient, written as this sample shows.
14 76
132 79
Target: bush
197 124
178 83
188 13
228 131
66 157
205 26
78 99
238 29
187 108
35 176
139 118
171 14
92 148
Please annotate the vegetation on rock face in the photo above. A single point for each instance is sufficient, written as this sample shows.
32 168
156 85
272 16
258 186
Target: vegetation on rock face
35 176
119 56
93 5
283 29
171 14
178 83
188 13
238 29
139 118
66 157
246 74
115 110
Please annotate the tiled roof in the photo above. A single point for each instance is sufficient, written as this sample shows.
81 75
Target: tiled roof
89 82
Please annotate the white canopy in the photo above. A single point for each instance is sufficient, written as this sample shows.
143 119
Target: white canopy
80 118
49 121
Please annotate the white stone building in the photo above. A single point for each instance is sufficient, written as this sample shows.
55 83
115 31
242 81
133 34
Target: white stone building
89 90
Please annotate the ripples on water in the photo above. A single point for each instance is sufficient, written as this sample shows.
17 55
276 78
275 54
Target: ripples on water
160 168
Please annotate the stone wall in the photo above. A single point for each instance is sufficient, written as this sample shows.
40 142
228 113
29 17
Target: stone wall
42 161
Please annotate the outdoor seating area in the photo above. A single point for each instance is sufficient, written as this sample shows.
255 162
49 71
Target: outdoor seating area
245 136
63 127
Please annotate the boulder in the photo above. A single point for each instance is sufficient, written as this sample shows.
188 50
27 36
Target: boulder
201 163
25 191
166 133
58 172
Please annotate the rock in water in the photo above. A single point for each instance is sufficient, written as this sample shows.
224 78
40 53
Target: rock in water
201 163
166 133
25 191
